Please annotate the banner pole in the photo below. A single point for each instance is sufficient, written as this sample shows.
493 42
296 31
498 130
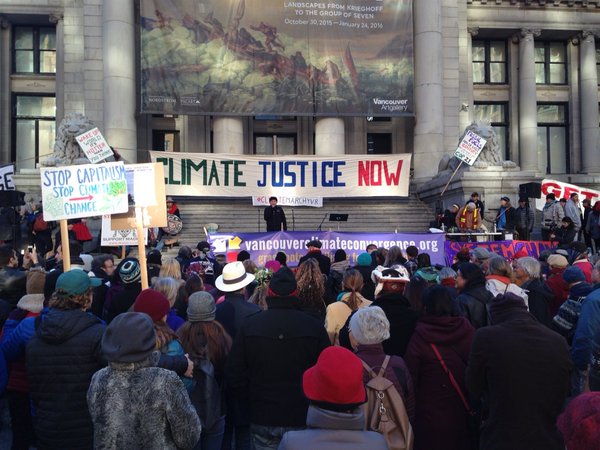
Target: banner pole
64 245
139 226
453 173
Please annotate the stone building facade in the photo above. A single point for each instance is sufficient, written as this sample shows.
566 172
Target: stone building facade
532 67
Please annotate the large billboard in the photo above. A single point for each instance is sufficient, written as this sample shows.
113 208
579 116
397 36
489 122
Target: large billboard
277 57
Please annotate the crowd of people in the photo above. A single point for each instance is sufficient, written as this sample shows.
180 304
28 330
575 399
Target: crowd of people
484 353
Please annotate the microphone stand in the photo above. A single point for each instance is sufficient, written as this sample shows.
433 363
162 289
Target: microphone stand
258 211
321 224
293 221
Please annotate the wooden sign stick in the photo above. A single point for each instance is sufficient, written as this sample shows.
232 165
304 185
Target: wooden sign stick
139 226
64 245
448 183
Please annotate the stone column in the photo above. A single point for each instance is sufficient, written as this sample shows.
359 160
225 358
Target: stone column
329 137
228 135
118 52
590 133
529 159
429 94
60 66
5 107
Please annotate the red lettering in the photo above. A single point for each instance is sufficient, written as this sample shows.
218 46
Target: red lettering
570 190
588 194
363 173
392 178
375 173
551 188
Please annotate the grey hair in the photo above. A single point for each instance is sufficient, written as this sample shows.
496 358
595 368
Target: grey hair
447 272
530 265
370 325
497 265
166 286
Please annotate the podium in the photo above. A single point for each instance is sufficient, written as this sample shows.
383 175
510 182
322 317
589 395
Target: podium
338 218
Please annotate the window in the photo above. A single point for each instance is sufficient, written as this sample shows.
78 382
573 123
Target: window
379 143
489 62
550 63
34 129
275 144
34 50
496 114
552 140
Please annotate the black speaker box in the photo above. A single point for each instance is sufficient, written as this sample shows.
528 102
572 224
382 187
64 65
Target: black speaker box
530 190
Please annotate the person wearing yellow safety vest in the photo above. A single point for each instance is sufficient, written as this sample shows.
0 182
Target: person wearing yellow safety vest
468 218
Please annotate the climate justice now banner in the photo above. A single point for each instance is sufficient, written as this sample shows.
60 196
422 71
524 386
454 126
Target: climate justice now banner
264 247
503 248
277 57
208 175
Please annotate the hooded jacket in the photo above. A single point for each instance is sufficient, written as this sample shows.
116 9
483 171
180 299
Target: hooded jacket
559 288
539 299
472 303
441 418
522 369
330 430
62 356
587 333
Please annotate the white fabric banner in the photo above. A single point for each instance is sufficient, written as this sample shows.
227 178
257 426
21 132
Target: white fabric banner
208 175
564 190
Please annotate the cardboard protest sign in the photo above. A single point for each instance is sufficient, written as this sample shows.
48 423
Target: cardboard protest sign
146 187
469 148
6 178
83 191
94 145
117 238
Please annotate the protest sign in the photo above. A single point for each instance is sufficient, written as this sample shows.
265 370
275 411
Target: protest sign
505 249
83 191
117 238
216 175
264 246
263 200
564 190
94 145
6 178
470 147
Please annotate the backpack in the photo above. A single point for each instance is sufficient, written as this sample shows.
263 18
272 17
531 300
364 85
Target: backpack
385 412
565 320
39 224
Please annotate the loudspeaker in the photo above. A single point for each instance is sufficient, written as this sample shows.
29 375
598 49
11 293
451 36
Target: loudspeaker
530 190
12 198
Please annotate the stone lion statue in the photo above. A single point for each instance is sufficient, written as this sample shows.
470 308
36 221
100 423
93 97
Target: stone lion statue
67 151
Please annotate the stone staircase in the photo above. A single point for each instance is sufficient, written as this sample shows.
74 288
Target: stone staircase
365 214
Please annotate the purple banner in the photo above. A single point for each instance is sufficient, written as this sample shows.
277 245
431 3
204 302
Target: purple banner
502 248
264 246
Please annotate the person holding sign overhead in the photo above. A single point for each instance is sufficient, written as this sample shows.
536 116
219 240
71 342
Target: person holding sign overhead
274 216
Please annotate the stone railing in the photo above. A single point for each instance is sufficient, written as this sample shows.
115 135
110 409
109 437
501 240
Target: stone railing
539 3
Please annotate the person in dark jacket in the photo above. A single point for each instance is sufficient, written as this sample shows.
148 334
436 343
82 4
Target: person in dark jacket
524 219
441 416
120 298
232 314
133 404
270 353
565 234
473 297
389 296
274 216
335 420
518 358
314 251
103 267
364 266
527 274
62 356
153 261
505 219
12 278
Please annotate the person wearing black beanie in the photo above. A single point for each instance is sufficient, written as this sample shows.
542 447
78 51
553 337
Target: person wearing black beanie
473 297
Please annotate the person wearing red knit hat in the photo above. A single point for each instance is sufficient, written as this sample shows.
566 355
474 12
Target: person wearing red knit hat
335 389
580 422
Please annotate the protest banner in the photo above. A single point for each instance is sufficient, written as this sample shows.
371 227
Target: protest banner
6 178
263 200
216 175
470 147
94 145
564 190
83 191
505 249
264 246
118 238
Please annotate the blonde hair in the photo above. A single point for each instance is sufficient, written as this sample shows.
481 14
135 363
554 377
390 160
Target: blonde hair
250 266
170 268
168 287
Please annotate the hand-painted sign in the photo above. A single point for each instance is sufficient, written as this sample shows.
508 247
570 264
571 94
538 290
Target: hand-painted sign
6 178
264 246
503 248
83 191
117 238
205 174
470 147
564 190
94 145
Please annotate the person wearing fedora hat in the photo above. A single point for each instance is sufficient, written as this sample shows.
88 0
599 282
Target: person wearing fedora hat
269 355
314 251
335 389
133 404
61 357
